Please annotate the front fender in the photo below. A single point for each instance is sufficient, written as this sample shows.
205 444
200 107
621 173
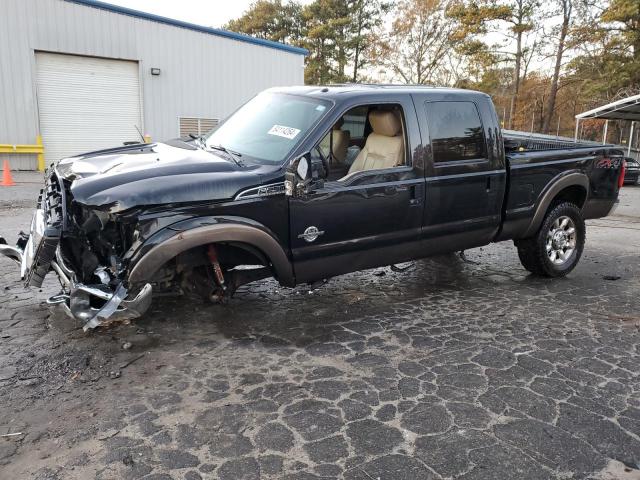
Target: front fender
185 235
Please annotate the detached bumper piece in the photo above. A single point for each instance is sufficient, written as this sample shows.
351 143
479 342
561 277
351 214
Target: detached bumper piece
115 309
79 302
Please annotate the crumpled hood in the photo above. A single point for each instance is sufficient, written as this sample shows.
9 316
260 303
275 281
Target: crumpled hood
153 174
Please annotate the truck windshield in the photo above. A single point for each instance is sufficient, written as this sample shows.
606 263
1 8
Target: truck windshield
267 128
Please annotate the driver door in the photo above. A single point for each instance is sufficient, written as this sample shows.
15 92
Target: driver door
368 218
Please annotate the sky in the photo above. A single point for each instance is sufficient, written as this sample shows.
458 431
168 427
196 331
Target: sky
210 13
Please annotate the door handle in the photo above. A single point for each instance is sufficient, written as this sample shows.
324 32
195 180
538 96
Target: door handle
488 184
413 195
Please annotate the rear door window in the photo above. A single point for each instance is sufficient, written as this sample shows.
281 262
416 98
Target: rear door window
456 131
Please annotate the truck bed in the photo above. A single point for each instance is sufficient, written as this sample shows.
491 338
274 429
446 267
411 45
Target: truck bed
535 162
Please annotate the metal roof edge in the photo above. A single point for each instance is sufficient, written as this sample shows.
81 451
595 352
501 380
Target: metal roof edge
633 100
191 26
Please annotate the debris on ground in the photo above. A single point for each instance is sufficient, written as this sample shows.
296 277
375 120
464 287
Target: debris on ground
464 258
402 267
611 277
135 359
108 434
616 470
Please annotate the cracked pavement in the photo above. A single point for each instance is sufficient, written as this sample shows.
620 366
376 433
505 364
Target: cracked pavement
457 368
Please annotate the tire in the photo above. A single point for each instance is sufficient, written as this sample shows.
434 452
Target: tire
556 248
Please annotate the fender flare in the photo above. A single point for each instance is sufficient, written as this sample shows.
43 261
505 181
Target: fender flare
225 231
555 187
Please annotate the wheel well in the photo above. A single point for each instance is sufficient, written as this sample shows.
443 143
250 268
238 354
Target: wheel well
239 244
230 254
234 254
575 194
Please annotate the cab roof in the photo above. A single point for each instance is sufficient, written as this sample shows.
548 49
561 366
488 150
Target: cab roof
339 91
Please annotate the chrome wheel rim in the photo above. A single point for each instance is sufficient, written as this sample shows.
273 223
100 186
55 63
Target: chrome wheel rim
561 240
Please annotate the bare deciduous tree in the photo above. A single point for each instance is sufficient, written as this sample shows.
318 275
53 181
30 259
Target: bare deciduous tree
415 47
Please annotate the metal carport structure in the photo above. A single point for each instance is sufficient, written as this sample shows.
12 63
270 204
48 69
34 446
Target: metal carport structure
625 109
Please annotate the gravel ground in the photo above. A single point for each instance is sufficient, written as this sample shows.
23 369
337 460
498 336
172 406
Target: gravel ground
457 368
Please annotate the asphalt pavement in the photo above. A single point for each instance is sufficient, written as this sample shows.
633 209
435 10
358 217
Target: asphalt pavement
460 367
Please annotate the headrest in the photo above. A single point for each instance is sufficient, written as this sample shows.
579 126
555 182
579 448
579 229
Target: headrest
338 124
384 123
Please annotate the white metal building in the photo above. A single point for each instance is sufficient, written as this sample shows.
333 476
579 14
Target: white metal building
85 75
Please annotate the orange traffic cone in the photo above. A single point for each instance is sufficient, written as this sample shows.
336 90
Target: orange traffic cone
7 181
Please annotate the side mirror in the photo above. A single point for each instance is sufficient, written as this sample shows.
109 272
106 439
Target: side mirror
301 177
303 167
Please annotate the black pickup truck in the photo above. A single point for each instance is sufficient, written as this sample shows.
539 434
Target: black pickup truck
306 183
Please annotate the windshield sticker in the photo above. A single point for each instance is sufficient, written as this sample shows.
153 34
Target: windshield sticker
286 132
321 108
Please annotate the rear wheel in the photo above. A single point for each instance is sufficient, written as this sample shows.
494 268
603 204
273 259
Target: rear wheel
557 246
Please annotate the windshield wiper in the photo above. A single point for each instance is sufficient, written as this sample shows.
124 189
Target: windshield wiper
235 156
198 139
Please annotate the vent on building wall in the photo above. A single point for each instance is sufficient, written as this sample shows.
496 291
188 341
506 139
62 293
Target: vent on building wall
196 126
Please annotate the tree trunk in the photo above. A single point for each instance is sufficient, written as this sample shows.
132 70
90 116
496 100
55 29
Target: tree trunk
551 103
356 59
341 64
356 53
516 83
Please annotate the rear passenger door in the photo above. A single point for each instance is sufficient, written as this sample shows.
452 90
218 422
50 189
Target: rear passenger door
465 177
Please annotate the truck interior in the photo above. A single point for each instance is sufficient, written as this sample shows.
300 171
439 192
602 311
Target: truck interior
368 137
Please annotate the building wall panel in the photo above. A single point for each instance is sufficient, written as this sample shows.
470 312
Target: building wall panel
202 75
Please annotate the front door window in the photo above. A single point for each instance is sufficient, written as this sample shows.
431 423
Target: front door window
379 144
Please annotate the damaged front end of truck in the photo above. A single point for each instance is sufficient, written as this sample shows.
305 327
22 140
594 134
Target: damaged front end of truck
115 225
85 248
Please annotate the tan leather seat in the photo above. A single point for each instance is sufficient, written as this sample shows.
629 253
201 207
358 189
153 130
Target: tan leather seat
385 145
341 140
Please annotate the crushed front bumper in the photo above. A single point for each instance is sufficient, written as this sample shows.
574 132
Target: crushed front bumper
40 254
77 304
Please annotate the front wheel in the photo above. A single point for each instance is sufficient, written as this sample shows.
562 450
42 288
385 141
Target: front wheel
557 246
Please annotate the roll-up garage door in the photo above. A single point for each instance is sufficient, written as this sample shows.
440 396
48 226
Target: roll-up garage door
86 103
